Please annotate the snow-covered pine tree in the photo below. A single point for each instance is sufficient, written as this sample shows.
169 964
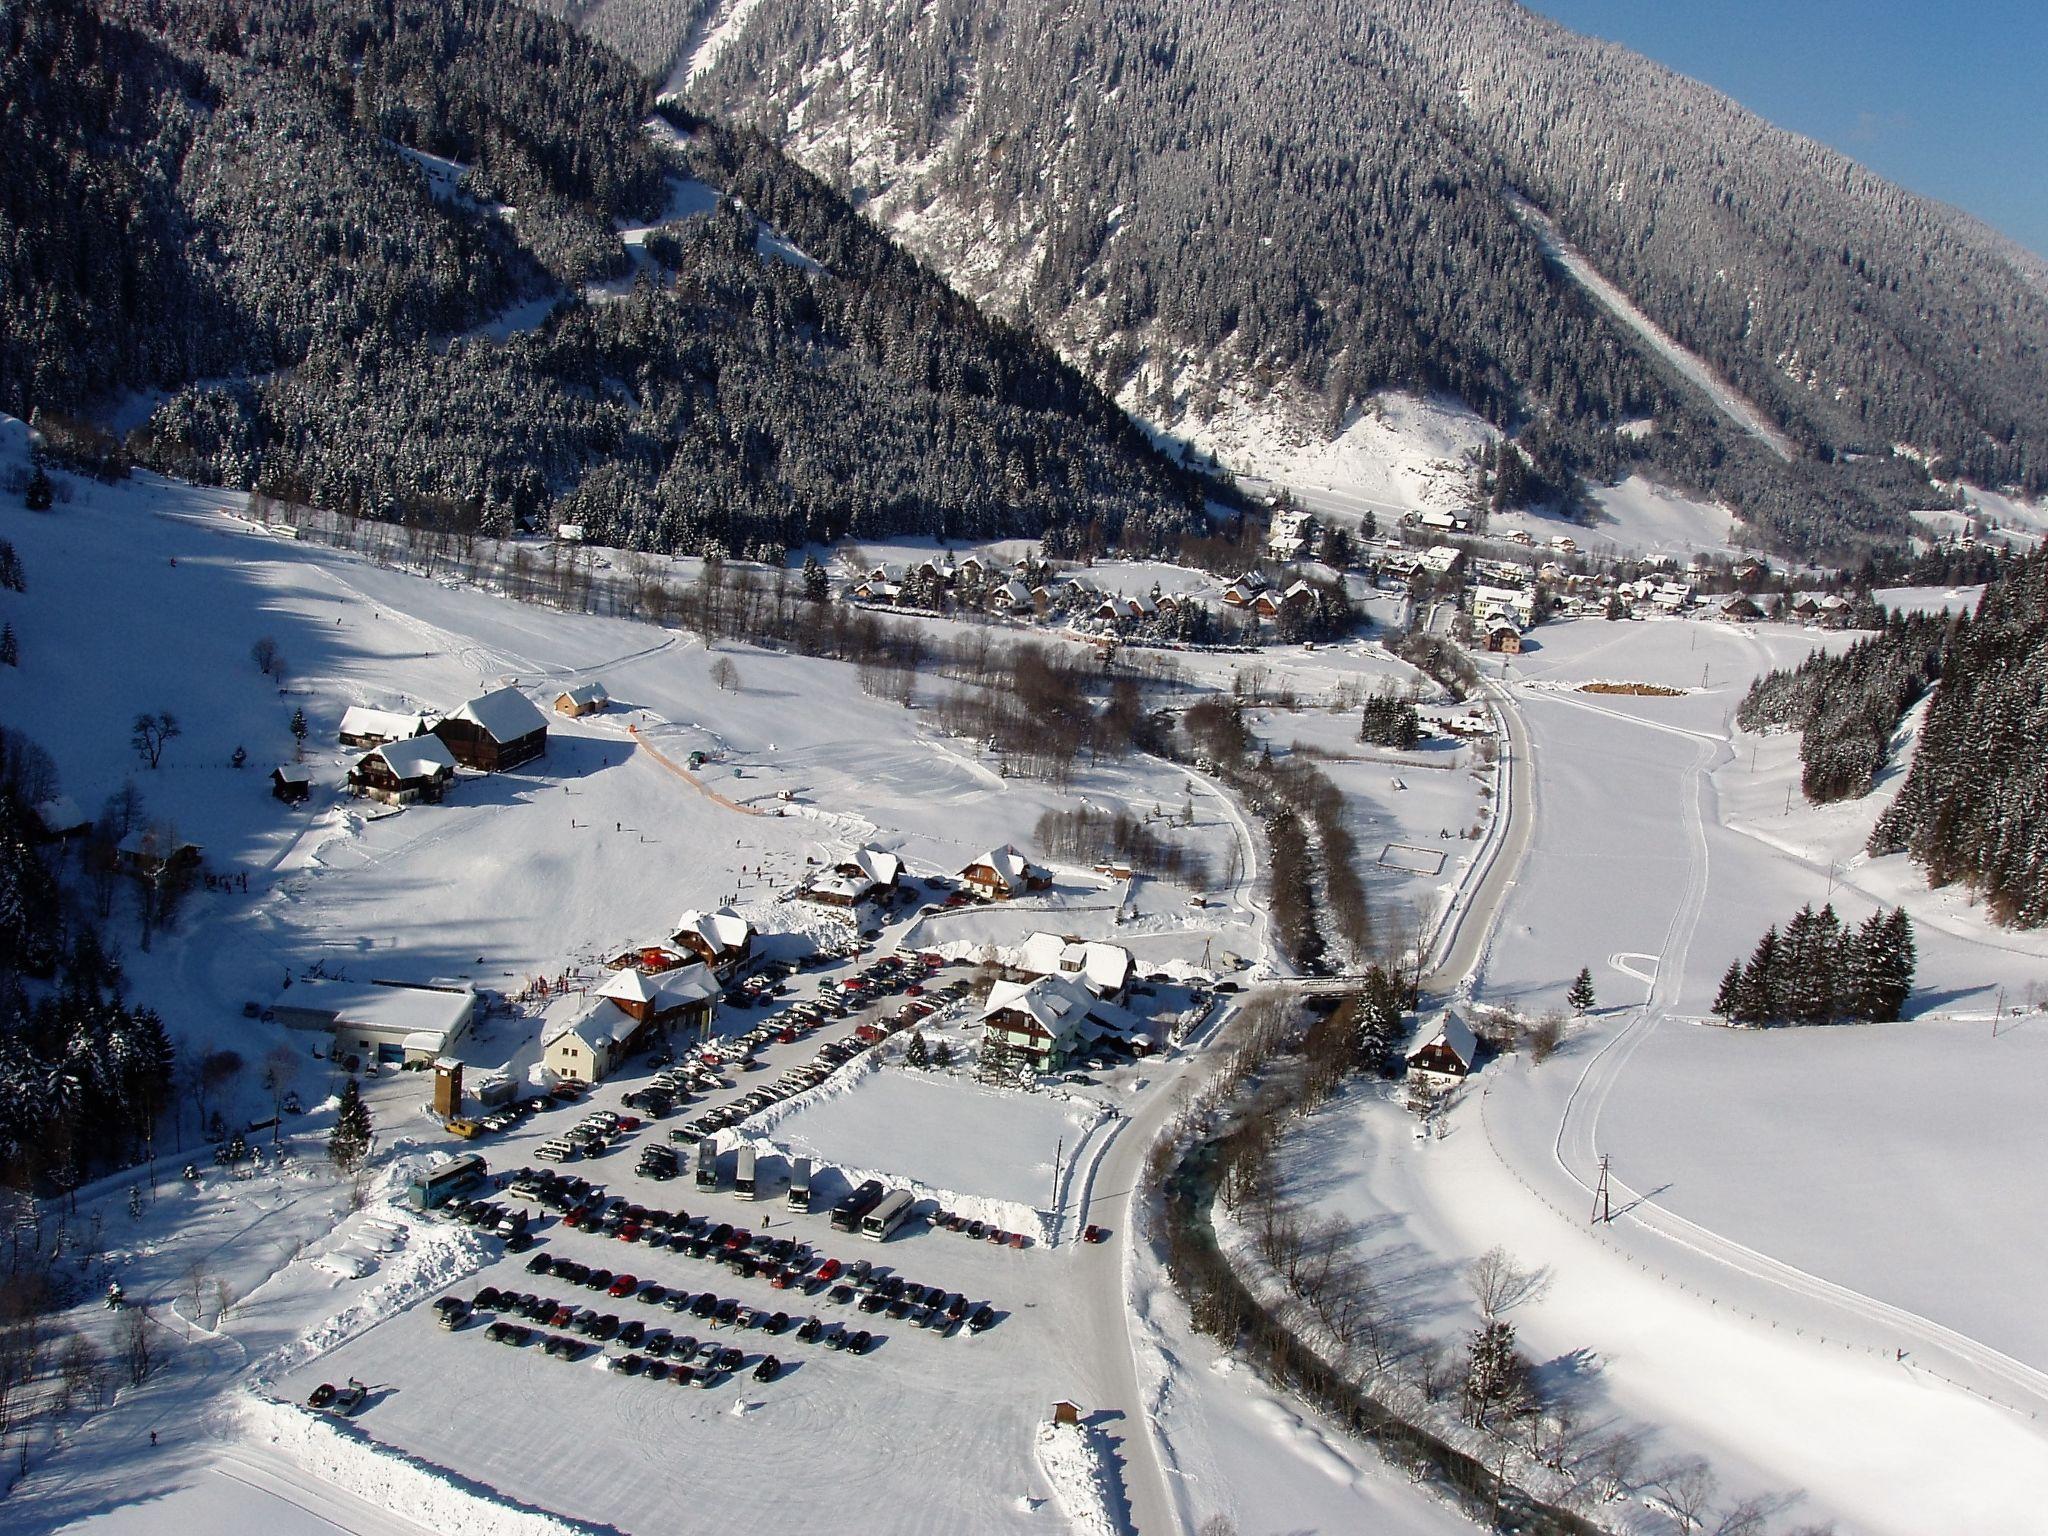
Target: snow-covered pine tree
349 1142
918 1054
1581 995
1728 999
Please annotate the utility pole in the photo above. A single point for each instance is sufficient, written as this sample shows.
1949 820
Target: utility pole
1059 1148
1603 1208
1997 1012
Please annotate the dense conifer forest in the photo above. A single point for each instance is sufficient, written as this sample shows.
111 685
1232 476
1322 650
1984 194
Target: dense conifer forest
353 247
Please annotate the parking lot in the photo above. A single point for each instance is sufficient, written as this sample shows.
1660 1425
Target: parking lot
730 1283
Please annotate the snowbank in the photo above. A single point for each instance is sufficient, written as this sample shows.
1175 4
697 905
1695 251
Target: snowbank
1074 1462
436 1498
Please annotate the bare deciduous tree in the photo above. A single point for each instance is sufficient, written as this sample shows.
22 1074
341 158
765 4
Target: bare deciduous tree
1498 1282
1686 1490
725 676
153 733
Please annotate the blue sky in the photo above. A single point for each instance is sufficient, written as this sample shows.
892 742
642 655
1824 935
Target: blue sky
1950 100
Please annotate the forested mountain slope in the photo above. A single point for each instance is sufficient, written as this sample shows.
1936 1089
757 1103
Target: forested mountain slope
311 226
1199 199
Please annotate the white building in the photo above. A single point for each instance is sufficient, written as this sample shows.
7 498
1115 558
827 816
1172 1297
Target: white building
384 1021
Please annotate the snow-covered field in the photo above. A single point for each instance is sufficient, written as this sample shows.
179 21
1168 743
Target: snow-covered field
1818 1275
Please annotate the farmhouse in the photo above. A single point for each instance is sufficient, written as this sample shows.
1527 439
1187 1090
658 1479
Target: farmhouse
854 879
1239 593
1441 559
1447 1048
1105 969
383 1021
1042 1022
496 730
1269 604
1741 608
1002 873
1503 637
365 727
584 699
291 782
1011 597
402 772
723 939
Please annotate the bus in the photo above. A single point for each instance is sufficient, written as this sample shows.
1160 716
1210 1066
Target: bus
436 1185
847 1213
800 1185
743 1174
886 1217
707 1163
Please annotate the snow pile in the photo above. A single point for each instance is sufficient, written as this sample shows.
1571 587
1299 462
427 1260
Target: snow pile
431 1258
1072 1458
437 1499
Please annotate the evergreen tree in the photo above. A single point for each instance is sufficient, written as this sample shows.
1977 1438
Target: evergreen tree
919 1054
10 650
1390 722
1758 1001
1581 994
299 728
349 1143
1728 999
1497 1378
1616 608
40 493
1890 967
816 586
942 1055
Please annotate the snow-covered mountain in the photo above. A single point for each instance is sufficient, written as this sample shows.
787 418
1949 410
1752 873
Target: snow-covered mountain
1221 210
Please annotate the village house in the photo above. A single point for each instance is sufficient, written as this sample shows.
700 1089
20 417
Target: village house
1441 559
584 699
362 726
1002 873
495 731
723 939
877 589
1442 522
1515 603
1740 607
1269 604
972 568
1105 969
1290 535
291 782
1564 543
1446 1050
392 1022
853 880
1011 597
1503 637
1672 596
402 772
1239 593
1043 1022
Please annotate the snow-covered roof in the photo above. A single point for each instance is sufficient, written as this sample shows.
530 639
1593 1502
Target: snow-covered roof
442 1013
1010 866
1013 592
293 773
1453 1033
505 714
391 724
1105 968
145 844
417 757
723 930
1056 1004
60 813
585 696
665 989
588 1018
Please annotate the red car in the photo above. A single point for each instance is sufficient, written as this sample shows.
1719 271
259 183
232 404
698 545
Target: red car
829 1270
630 1232
625 1285
629 1122
1095 1234
913 990
740 1238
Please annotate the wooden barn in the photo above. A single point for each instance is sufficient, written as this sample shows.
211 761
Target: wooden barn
292 783
584 699
402 772
495 731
